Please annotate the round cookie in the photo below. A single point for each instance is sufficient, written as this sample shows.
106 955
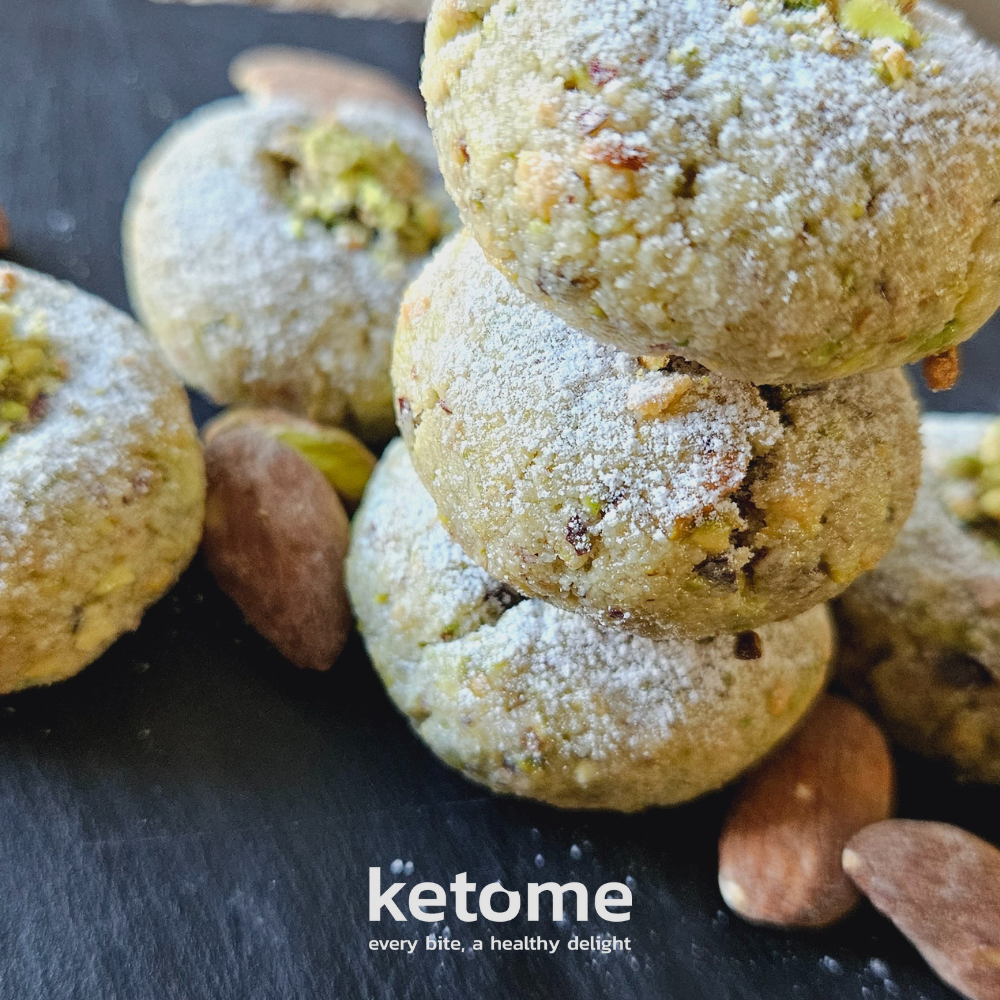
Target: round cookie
531 700
644 493
102 484
779 193
267 249
921 635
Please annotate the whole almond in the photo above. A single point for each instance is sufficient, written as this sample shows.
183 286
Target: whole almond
780 849
316 79
940 886
275 539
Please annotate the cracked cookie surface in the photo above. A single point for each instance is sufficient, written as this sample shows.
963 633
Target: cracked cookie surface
921 637
531 700
776 192
644 492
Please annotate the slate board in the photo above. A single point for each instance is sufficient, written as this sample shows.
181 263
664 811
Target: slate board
192 818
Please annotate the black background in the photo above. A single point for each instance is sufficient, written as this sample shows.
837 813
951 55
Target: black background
193 818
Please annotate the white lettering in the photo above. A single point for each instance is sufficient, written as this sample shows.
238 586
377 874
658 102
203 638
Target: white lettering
558 891
418 901
602 902
485 907
377 899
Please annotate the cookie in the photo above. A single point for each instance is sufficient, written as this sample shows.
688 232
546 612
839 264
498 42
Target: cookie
267 249
643 493
778 192
531 700
102 484
921 636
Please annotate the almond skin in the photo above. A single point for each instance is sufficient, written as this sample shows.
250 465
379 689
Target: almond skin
275 539
339 455
780 849
940 886
316 79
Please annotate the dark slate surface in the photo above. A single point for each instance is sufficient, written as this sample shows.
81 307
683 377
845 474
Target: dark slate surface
191 818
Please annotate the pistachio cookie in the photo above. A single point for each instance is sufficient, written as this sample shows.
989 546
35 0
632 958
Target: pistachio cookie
784 192
532 700
644 493
921 642
102 484
267 249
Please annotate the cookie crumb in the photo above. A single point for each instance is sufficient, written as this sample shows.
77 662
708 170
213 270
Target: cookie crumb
942 370
657 394
748 646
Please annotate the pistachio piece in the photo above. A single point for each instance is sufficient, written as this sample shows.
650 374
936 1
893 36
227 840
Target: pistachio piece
341 457
275 539
874 19
367 192
29 369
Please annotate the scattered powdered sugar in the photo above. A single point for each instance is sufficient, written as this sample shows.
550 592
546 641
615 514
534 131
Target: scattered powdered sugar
662 172
109 404
237 298
613 693
803 113
573 438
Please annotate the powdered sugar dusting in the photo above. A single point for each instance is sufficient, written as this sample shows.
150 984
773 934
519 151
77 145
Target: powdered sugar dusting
755 194
245 309
520 673
569 396
108 405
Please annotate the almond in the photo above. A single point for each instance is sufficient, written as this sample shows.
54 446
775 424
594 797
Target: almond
941 887
780 849
315 79
392 10
4 230
275 539
340 456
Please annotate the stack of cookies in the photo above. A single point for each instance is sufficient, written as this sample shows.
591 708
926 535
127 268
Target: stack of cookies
651 402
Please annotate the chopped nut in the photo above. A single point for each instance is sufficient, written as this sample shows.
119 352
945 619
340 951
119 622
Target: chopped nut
748 646
600 74
547 113
749 14
616 151
539 179
941 371
874 19
591 120
654 362
891 60
657 394
578 535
